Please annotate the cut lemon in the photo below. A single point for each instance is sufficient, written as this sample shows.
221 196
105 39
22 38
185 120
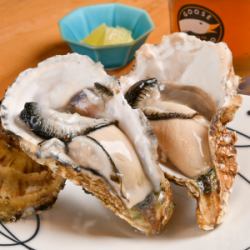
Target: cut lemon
96 37
104 35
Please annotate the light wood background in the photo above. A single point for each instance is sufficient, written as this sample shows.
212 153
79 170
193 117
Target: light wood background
29 32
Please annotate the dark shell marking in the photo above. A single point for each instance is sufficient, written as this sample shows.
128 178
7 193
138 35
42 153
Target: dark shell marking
139 90
103 90
167 116
45 126
31 116
208 182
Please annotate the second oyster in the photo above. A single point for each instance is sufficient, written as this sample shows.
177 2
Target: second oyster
189 110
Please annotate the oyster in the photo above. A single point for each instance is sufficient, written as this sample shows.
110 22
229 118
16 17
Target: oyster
111 153
188 110
25 186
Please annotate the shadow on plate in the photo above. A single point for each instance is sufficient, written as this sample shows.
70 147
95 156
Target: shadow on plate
78 213
183 222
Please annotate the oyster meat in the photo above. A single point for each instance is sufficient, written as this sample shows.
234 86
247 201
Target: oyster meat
106 147
181 130
188 109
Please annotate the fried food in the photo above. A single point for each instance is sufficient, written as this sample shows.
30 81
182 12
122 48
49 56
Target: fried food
25 186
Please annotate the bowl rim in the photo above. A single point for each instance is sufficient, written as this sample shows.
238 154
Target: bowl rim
82 44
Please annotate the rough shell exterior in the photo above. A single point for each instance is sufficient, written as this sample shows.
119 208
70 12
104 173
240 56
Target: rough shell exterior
149 221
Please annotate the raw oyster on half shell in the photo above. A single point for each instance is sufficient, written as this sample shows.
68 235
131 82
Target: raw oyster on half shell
188 91
111 153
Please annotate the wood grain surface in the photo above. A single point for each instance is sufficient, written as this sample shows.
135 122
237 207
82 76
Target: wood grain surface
29 32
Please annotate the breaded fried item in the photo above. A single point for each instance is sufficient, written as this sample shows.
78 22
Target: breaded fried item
25 186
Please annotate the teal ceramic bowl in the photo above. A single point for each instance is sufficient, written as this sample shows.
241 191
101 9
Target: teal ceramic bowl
79 23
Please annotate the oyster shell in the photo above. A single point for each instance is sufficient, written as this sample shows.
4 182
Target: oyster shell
189 110
111 154
25 186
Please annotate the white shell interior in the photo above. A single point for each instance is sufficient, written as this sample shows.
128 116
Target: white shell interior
51 84
184 59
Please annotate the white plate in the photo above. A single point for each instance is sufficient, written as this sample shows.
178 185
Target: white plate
79 221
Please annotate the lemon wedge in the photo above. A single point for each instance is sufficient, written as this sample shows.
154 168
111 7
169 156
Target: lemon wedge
105 35
96 37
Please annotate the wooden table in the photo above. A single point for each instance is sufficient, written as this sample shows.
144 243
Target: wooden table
29 31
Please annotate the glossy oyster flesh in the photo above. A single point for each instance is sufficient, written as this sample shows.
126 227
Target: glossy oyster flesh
111 154
181 130
188 110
